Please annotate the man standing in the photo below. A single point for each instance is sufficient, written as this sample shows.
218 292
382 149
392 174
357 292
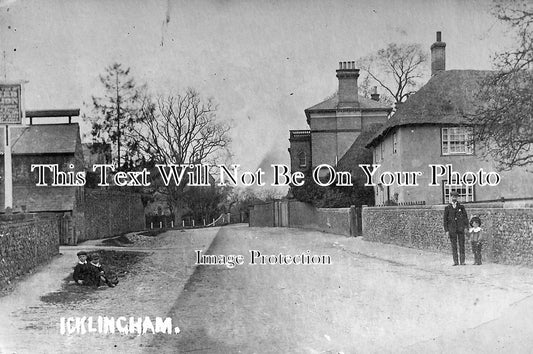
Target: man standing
455 223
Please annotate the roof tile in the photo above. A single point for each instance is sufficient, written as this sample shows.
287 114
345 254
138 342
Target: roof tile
42 138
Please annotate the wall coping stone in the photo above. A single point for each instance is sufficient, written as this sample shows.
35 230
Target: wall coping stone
510 205
337 210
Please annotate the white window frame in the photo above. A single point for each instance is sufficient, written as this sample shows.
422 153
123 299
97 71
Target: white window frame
465 193
457 141
394 143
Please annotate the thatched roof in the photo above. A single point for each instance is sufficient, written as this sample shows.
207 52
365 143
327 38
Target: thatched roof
446 99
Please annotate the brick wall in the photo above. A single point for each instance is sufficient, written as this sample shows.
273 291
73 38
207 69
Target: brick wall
299 145
331 220
107 213
26 244
508 228
305 216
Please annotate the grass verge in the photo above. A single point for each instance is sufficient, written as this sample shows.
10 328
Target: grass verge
120 263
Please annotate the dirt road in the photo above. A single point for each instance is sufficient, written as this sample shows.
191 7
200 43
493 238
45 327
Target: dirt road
371 298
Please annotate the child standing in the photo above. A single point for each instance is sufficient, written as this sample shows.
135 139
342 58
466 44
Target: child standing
476 238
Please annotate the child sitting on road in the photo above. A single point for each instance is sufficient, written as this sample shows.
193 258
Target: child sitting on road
81 270
98 275
476 238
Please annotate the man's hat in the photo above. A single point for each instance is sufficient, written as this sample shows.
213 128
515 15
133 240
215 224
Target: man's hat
475 218
81 253
454 194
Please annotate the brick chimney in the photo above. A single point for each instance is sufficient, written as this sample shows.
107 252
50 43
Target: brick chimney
438 55
347 75
374 95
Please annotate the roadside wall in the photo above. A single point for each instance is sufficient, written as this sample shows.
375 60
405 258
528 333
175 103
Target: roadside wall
331 220
107 213
302 215
507 226
26 244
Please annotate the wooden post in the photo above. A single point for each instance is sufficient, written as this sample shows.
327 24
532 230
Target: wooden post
8 171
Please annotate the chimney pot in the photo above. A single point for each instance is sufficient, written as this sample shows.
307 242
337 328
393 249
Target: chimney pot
348 91
438 55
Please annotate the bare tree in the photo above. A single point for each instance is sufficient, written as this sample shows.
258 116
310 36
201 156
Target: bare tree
504 119
398 69
179 129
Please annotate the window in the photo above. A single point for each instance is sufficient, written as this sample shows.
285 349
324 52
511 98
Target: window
381 151
394 143
302 160
465 193
457 140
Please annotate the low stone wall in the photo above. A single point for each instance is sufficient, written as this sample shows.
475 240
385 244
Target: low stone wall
508 228
26 244
331 220
107 213
302 215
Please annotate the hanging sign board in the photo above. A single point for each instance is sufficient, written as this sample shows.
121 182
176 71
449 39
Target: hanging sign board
10 104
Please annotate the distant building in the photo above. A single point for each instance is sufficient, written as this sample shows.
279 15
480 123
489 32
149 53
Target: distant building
430 128
336 123
58 144
52 144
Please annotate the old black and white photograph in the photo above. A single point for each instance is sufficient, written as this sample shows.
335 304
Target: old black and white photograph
249 176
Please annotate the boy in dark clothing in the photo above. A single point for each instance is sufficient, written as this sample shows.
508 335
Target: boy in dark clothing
98 275
81 270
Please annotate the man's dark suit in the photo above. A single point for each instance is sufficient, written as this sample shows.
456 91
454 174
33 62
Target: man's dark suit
455 222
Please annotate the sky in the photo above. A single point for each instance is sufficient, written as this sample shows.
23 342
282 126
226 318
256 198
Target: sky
263 62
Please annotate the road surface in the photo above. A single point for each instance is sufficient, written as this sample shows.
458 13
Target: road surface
372 298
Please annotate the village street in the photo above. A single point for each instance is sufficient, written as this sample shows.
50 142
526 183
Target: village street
371 298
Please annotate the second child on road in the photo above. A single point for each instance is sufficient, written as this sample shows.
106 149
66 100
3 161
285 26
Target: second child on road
476 238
